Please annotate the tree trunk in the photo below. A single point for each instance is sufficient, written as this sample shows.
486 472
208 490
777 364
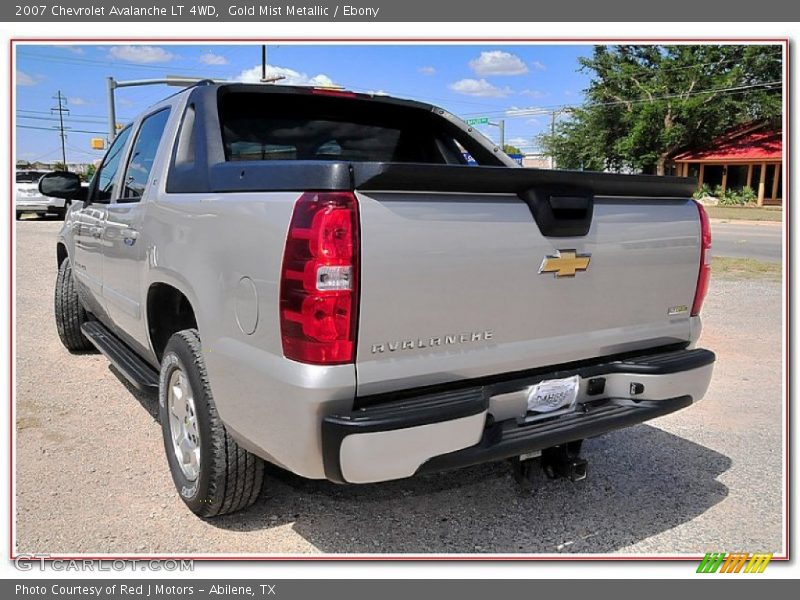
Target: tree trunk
661 165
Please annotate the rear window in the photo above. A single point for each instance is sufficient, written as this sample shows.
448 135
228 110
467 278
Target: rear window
307 127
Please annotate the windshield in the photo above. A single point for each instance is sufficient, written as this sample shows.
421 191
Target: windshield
29 176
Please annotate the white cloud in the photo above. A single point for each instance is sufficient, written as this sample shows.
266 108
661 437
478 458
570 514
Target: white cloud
141 54
427 70
76 101
497 62
480 88
377 93
534 93
73 49
209 58
521 111
24 79
519 142
290 77
539 66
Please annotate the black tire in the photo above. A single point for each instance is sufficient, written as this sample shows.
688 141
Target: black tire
60 213
69 311
229 478
19 215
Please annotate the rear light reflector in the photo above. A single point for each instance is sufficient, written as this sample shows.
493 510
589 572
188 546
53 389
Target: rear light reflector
705 261
319 279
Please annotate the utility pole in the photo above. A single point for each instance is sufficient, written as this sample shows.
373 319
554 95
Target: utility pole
501 126
61 109
111 84
264 78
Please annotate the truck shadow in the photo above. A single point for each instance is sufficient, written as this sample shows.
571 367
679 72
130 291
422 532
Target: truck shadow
642 481
148 400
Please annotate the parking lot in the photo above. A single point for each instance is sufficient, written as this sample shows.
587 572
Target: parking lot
91 476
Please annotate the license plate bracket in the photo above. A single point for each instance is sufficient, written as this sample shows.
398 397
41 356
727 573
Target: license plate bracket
553 395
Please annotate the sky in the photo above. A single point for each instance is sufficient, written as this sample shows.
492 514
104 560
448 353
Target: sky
471 81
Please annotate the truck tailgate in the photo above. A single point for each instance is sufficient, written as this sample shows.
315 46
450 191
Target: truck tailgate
453 285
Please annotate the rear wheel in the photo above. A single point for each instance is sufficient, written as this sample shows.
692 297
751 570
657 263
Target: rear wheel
69 311
212 474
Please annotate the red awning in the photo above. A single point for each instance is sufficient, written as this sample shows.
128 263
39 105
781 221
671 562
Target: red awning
756 145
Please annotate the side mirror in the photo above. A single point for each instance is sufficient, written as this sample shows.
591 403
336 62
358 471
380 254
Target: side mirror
62 184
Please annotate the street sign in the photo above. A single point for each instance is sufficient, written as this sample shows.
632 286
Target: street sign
98 143
478 121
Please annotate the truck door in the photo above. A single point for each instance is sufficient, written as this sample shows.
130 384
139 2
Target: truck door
89 227
124 254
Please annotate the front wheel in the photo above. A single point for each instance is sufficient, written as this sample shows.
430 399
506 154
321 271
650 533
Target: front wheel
213 475
69 311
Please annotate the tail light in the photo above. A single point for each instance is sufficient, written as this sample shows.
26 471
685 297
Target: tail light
319 279
705 261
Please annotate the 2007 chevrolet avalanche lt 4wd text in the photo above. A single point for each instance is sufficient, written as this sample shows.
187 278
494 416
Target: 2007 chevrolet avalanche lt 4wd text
316 278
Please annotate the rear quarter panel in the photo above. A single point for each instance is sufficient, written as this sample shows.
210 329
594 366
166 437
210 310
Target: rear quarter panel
205 245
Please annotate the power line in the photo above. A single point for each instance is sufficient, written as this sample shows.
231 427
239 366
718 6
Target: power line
542 110
41 156
51 129
67 119
70 60
84 151
44 112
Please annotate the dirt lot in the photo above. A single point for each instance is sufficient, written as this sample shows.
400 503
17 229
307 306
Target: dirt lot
91 476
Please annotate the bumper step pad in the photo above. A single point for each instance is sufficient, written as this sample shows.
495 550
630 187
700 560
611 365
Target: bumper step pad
511 438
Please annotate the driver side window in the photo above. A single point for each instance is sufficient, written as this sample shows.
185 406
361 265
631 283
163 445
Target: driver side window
107 173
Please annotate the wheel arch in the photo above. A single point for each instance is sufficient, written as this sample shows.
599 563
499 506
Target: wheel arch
169 310
61 253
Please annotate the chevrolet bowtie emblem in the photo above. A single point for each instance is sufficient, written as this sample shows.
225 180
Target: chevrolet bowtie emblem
565 263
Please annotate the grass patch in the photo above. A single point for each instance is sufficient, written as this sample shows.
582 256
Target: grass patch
744 268
746 213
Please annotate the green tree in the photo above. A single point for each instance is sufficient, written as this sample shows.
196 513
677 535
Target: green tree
91 169
509 149
59 166
644 103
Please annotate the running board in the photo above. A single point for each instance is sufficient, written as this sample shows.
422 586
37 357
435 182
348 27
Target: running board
141 375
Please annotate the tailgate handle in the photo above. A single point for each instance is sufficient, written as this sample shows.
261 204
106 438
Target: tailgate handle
561 213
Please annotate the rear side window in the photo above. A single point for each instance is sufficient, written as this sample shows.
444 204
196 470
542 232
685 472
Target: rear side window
308 127
143 155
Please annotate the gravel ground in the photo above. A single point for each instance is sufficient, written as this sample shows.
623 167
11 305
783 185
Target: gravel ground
91 475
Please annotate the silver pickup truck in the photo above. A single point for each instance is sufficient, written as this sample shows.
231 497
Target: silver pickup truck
318 279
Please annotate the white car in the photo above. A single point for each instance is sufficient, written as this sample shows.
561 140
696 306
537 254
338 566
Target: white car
30 200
